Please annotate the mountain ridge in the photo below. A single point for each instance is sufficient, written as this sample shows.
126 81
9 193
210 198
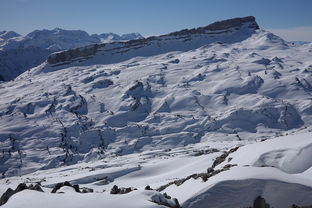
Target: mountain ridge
233 30
20 53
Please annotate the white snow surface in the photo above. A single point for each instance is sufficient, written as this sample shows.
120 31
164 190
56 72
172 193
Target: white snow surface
153 111
236 187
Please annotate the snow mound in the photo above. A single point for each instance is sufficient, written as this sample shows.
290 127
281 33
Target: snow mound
71 199
291 154
242 193
288 160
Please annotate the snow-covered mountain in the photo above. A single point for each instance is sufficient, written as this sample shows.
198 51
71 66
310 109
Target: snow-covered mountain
112 37
213 116
6 35
20 53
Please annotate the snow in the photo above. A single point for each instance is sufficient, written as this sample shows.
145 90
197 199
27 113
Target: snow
153 111
246 181
29 199
243 193
20 53
238 186
91 112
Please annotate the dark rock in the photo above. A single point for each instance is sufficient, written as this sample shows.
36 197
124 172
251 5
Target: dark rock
125 190
21 187
57 187
115 190
260 203
222 157
148 188
76 187
177 204
210 170
175 61
228 166
71 54
167 196
6 195
122 190
207 151
66 183
161 199
36 187
233 149
235 22
86 190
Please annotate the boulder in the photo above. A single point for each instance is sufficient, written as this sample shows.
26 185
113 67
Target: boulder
5 197
66 183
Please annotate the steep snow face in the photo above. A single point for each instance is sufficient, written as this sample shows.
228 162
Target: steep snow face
84 109
20 53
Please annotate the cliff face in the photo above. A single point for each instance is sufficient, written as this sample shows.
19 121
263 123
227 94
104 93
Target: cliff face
72 54
236 22
222 25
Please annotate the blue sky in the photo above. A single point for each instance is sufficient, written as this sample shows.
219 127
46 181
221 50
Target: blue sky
152 17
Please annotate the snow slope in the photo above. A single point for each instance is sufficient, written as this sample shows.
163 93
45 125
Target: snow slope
262 169
159 112
63 113
236 187
20 53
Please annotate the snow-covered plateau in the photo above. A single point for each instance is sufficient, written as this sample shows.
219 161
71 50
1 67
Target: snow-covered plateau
211 117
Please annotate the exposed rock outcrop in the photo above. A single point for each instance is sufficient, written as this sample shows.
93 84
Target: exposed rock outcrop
71 54
165 200
66 183
21 187
121 190
204 176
